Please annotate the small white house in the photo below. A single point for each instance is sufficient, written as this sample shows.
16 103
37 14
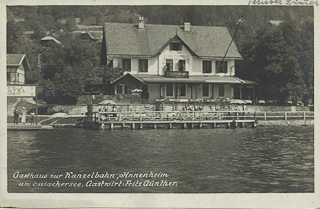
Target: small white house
17 64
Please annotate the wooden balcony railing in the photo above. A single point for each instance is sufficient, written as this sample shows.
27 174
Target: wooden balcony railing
176 74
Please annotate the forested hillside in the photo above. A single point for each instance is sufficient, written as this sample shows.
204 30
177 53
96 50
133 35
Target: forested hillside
280 58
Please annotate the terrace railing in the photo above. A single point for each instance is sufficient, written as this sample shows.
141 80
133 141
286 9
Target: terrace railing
176 74
198 116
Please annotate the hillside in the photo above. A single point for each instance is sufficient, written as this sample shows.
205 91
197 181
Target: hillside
279 57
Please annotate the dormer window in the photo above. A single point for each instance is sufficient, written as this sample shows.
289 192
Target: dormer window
175 45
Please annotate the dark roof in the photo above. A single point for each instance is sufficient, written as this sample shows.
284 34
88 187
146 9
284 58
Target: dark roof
144 78
15 59
127 39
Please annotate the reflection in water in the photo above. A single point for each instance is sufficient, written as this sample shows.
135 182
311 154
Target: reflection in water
277 159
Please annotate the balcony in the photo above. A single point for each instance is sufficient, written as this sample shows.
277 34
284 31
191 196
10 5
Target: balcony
176 74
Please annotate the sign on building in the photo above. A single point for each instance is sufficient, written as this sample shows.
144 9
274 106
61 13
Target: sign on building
21 91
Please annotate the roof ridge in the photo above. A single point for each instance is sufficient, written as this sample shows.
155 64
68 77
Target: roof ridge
180 25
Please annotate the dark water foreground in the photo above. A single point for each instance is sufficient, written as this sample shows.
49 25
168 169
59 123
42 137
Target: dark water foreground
263 159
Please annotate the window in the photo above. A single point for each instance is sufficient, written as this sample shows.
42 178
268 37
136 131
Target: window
183 91
119 89
205 90
221 66
206 66
8 77
126 64
169 65
221 90
176 46
182 65
143 65
169 89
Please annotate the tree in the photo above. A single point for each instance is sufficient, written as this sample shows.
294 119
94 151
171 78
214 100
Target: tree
273 59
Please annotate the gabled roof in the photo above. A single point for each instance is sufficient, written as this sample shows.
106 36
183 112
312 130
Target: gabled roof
15 59
94 35
127 39
50 38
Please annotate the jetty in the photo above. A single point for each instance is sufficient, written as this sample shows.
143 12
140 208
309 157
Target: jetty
169 120
28 127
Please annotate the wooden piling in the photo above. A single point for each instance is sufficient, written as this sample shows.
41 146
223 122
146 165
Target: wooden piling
235 124
184 125
192 125
133 126
154 126
141 126
200 125
170 125
111 126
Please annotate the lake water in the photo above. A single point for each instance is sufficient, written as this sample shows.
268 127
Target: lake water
263 159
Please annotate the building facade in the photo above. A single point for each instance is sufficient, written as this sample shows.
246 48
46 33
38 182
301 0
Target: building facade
17 64
181 63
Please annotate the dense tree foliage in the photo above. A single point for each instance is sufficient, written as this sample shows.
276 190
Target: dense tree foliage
280 58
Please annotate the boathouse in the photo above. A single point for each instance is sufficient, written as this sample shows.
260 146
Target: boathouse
173 62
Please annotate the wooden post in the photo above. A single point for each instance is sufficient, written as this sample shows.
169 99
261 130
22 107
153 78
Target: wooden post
213 125
133 126
228 124
141 126
192 125
123 125
254 95
265 115
155 126
170 125
237 115
235 124
200 125
184 125
111 126
285 116
304 118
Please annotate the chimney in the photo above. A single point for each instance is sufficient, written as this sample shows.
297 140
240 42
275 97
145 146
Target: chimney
141 23
187 26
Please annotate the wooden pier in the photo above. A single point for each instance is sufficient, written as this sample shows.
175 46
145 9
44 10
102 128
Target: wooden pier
169 120
139 125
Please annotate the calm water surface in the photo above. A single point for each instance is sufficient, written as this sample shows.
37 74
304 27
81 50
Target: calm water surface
264 159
